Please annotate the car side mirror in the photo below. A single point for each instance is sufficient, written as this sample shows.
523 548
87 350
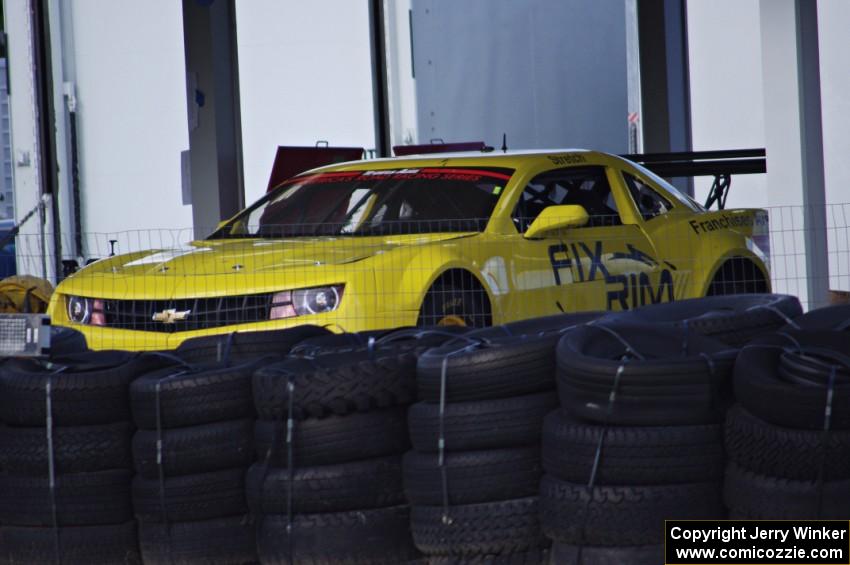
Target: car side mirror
554 218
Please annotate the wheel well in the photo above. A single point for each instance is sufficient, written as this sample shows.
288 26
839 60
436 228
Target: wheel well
738 275
464 280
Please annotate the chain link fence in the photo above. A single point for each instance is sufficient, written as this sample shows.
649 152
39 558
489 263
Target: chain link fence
150 289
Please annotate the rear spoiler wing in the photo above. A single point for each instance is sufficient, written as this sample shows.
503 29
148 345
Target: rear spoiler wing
719 164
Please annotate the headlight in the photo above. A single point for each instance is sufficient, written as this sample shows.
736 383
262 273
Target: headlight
79 309
86 311
318 300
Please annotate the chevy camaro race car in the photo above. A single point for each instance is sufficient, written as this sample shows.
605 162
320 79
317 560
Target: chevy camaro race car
471 238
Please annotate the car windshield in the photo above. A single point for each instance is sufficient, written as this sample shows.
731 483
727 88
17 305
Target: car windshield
375 202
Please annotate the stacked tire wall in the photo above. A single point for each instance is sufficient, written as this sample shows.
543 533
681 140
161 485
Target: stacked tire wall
472 478
637 439
788 438
65 463
293 446
194 446
331 430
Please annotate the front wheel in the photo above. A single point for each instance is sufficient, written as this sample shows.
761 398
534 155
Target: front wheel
450 305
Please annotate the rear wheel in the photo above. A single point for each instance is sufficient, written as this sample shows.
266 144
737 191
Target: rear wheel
455 304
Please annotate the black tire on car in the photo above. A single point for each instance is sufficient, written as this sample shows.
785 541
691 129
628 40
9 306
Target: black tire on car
454 303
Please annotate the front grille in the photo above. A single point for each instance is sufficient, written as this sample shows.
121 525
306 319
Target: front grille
203 313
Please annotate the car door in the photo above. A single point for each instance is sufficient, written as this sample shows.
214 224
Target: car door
605 265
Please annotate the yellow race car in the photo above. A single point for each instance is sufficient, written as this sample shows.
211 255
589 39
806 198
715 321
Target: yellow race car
471 238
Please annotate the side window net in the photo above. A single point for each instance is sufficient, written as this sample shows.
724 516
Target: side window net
583 186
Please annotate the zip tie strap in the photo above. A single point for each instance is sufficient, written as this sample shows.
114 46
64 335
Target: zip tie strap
159 453
827 424
597 458
441 442
714 385
618 337
290 464
224 358
172 357
441 439
776 311
51 463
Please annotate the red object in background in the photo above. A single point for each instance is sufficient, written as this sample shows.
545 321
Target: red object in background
400 150
290 161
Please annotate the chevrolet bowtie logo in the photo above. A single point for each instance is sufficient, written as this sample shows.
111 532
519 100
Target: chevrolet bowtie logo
171 315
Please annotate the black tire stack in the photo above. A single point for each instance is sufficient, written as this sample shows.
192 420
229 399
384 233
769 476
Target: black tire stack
734 320
191 452
788 439
637 440
195 444
472 477
329 439
65 458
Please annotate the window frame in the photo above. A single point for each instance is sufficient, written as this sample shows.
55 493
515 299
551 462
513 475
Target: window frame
671 205
607 173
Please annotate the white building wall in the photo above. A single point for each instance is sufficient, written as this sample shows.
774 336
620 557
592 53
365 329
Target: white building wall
31 246
131 98
728 107
547 73
726 89
305 75
833 23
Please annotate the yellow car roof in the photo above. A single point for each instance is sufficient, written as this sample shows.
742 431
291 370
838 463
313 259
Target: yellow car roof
495 158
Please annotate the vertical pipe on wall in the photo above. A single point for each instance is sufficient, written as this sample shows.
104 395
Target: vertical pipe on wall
43 76
379 77
811 133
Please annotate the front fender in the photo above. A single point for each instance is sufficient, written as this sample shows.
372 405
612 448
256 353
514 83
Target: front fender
404 276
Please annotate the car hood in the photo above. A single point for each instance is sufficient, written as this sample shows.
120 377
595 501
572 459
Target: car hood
244 266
